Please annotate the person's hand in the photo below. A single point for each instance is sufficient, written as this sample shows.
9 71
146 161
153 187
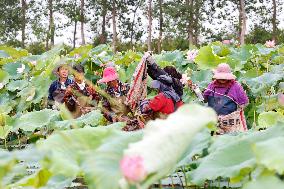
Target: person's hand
242 106
189 83
148 56
68 90
121 119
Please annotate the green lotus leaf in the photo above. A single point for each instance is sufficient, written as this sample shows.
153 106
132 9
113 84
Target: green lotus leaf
7 162
15 53
92 151
11 69
103 163
268 119
202 78
268 154
17 85
206 59
220 49
264 183
232 156
93 118
32 120
41 85
128 58
263 50
263 82
158 148
4 77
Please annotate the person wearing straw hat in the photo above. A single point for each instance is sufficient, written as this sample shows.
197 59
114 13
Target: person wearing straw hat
115 88
58 87
228 98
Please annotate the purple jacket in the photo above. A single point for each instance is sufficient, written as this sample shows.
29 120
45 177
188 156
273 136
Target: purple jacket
236 92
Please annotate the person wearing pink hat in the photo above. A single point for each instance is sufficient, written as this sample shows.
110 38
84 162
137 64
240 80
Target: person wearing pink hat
228 98
115 88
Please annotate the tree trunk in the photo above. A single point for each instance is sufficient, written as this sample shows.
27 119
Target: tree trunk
104 12
160 26
51 27
82 22
74 36
274 24
196 9
24 8
150 25
132 24
242 21
114 34
47 40
189 4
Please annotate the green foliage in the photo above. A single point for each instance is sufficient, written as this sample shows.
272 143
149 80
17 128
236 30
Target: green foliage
86 147
266 181
207 59
33 120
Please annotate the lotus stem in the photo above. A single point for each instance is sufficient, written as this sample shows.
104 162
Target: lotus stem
183 170
5 143
172 182
180 181
19 141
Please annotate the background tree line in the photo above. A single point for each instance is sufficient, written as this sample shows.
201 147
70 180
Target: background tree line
144 25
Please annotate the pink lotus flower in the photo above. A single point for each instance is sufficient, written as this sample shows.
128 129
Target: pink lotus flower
184 79
34 62
281 99
133 168
270 44
226 42
191 54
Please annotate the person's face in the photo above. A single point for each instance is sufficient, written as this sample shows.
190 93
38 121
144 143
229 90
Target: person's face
79 77
63 72
112 83
223 81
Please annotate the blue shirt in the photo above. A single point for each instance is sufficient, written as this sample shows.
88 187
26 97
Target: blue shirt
55 85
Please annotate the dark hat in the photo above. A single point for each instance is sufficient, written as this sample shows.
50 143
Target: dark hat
79 68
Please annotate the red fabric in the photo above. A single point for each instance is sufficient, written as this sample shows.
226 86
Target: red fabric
161 103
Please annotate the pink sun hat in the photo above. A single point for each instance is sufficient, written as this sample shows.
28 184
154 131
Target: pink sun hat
109 74
223 71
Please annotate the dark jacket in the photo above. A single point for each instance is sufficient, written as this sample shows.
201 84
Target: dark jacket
156 73
56 85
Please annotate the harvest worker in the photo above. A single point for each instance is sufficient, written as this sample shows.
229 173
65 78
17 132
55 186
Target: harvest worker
114 110
169 75
79 96
58 87
228 98
163 104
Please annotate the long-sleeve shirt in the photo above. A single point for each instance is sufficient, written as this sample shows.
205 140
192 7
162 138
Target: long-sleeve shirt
57 85
156 73
163 104
236 92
